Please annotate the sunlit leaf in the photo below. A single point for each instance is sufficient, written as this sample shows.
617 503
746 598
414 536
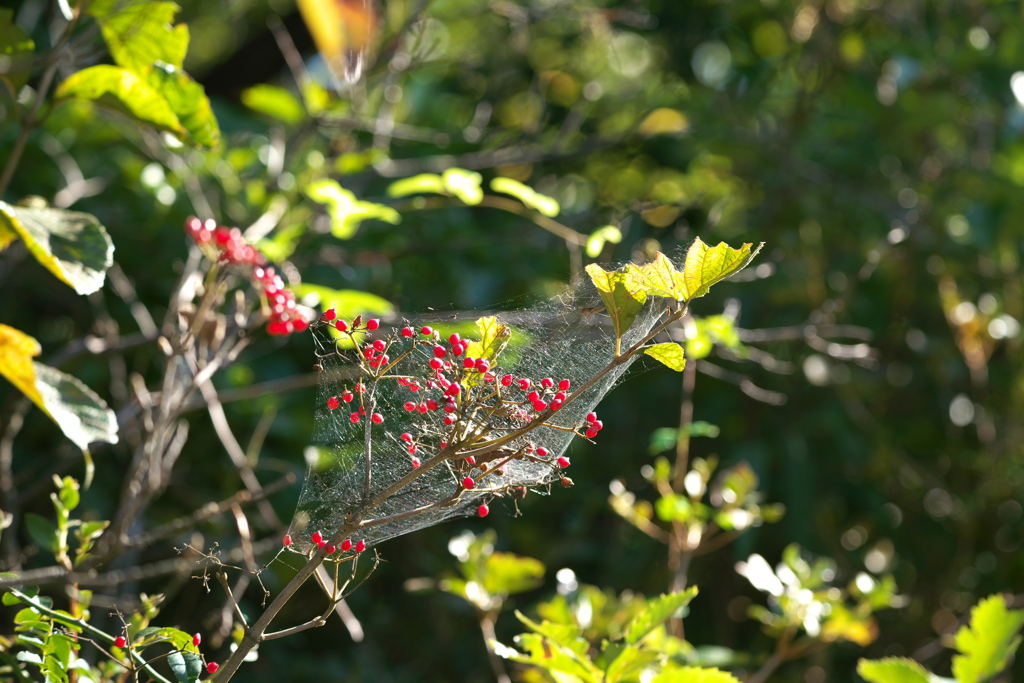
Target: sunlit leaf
188 101
71 244
659 278
274 102
892 670
691 674
464 184
123 91
16 352
140 33
617 292
424 182
347 212
598 238
16 50
656 612
705 266
505 573
988 642
664 121
670 353
81 414
347 303
527 195
624 662
344 31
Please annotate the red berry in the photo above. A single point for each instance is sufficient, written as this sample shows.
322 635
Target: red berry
415 463
432 404
482 365
563 461
547 382
483 510
539 406
300 325
457 349
470 460
560 396
212 667
354 417
412 449
360 546
333 403
376 418
406 436
468 483
556 404
468 362
287 540
524 384
120 641
379 345
410 406
564 385
453 390
426 331
347 396
317 537
435 364
506 380
592 432
542 452
329 549
533 396
591 417
422 408
407 332
448 420
598 425
196 639
346 545
489 377
450 407
372 324
454 339
341 326
439 351
330 314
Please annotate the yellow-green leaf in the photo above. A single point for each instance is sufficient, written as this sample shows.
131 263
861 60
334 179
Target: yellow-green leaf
622 299
346 211
598 238
463 184
527 195
424 182
656 612
988 642
123 91
140 33
892 670
494 338
15 53
71 244
705 266
660 278
692 674
669 353
188 101
274 102
16 352
347 303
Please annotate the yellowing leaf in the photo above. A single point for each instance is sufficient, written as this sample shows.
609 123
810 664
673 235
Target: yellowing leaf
275 102
123 91
692 674
16 352
140 33
6 235
71 244
705 266
660 278
494 337
669 353
344 31
892 670
664 121
622 299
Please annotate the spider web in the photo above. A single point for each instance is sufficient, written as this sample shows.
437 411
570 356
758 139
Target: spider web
566 337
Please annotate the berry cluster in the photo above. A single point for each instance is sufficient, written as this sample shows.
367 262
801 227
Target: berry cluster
228 246
329 549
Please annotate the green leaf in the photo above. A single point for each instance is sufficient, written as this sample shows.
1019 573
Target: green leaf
597 239
505 573
567 636
463 184
348 303
140 33
988 642
670 353
71 244
706 266
544 654
620 300
16 50
186 666
345 210
656 612
625 662
529 197
424 182
188 101
42 531
659 278
691 674
892 670
123 91
82 415
275 102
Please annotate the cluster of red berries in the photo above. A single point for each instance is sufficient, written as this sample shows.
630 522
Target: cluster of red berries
121 642
231 248
329 549
593 425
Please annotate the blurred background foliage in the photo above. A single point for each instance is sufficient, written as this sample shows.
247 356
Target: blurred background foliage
874 146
